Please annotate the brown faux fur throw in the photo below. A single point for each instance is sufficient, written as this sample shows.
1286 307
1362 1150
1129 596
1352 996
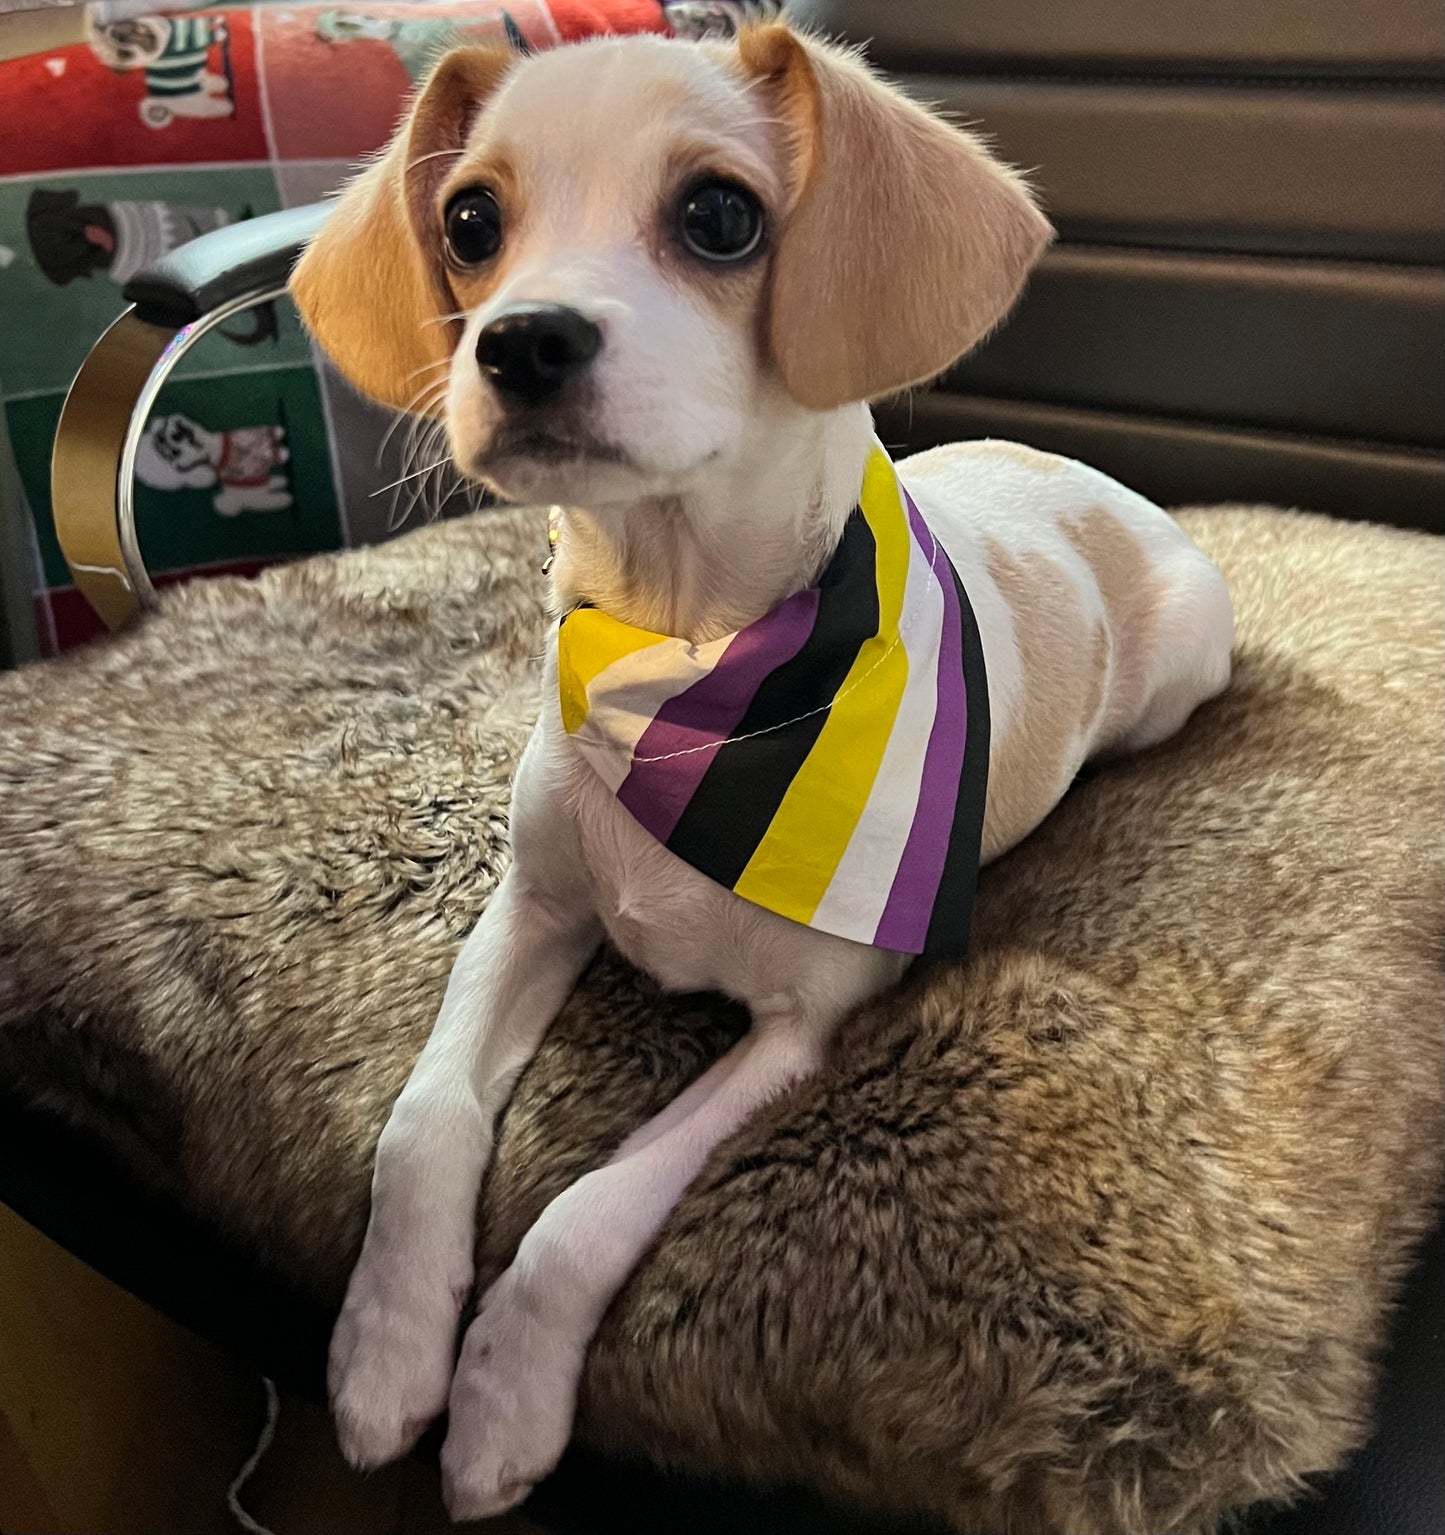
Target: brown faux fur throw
1096 1233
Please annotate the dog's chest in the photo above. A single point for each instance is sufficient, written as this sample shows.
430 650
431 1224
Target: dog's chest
662 914
691 934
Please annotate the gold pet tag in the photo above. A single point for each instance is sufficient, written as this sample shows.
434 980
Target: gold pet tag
554 537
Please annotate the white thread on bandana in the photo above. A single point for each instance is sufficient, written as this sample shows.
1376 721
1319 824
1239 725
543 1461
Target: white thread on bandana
752 735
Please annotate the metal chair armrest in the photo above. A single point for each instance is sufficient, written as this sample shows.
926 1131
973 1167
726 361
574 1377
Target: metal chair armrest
173 304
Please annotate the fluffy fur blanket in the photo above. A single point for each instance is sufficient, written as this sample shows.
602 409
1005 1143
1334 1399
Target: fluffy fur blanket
1095 1233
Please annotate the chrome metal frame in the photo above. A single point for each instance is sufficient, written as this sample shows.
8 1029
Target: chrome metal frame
92 467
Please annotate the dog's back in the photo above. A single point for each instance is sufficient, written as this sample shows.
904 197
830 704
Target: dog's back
1070 575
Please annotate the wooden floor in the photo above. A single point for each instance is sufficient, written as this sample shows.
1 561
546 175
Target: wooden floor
114 1421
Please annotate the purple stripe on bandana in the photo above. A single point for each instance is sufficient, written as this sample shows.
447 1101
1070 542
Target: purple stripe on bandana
656 792
904 924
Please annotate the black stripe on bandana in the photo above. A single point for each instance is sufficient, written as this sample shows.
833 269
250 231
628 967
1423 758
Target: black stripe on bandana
953 905
734 804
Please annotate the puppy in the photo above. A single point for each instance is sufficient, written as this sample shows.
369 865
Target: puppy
654 283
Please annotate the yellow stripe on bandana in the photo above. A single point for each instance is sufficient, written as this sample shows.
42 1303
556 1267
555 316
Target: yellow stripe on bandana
793 865
597 641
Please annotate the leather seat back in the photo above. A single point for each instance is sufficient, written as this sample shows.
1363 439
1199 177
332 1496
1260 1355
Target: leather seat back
1247 301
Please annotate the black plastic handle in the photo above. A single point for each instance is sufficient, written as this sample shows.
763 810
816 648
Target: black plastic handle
215 268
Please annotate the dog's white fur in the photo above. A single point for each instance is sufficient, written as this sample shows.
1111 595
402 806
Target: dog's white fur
743 458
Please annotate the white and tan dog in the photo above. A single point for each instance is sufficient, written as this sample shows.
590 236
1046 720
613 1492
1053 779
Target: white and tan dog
655 282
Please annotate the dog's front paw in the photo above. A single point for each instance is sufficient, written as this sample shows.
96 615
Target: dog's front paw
512 1401
391 1363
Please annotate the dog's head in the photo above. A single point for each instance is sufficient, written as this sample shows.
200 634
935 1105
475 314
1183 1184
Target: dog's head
605 264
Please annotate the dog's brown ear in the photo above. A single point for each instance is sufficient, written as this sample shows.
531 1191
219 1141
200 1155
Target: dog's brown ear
372 286
904 241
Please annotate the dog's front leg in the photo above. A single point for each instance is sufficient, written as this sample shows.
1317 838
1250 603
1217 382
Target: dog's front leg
394 1345
516 1382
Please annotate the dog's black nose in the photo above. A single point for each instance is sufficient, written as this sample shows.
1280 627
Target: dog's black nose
531 350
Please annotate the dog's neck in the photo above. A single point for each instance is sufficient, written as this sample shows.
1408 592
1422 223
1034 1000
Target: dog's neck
750 533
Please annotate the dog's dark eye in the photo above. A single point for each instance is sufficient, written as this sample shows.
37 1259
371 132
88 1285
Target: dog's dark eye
721 221
474 226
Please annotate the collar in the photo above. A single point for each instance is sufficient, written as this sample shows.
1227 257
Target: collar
828 762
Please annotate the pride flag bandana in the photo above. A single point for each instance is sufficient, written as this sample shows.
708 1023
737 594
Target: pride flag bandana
830 761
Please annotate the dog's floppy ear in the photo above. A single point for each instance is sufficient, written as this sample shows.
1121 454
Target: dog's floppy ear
904 241
372 285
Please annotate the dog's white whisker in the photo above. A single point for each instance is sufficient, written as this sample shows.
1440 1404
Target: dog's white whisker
386 437
431 367
406 496
416 474
442 498
429 395
425 438
434 154
406 418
